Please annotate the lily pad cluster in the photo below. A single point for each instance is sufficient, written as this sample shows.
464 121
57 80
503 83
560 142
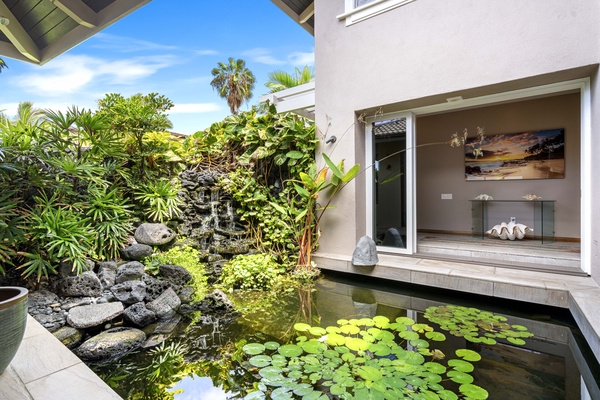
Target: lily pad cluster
475 325
368 358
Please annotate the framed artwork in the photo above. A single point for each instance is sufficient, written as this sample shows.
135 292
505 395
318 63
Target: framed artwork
525 155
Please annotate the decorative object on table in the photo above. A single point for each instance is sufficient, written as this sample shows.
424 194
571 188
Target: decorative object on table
525 155
13 318
484 196
510 231
530 196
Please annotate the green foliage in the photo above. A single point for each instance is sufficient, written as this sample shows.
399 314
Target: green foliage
234 82
186 257
110 216
256 271
11 232
55 232
280 80
159 199
475 325
360 359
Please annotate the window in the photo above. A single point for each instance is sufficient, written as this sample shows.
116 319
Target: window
358 10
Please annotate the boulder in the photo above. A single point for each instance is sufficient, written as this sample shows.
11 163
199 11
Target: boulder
186 294
365 253
216 302
137 251
175 274
107 273
154 234
154 287
129 292
93 314
69 336
41 298
131 271
166 305
139 314
110 345
86 284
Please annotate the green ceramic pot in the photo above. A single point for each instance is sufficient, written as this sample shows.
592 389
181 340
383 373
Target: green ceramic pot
13 318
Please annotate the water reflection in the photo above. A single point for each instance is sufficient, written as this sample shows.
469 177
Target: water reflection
552 365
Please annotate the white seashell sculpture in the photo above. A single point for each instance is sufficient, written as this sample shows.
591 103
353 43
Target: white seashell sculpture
530 196
484 197
510 231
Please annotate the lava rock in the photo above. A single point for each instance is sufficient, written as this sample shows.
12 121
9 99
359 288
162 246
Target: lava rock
137 251
154 234
40 298
131 271
139 314
129 292
65 268
154 287
175 274
111 344
86 284
107 273
166 305
216 302
93 315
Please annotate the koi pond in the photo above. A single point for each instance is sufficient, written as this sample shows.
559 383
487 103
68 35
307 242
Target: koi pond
344 339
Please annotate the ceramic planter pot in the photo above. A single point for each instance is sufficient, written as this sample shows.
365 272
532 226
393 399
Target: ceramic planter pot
13 318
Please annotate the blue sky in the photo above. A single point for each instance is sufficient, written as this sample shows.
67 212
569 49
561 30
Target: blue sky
168 47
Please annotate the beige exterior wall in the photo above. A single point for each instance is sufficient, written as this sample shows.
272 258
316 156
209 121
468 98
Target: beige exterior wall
427 51
440 168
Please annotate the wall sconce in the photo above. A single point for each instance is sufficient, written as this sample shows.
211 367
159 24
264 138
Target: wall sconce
331 139
4 21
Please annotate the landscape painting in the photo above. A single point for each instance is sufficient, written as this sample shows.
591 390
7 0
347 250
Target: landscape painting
526 155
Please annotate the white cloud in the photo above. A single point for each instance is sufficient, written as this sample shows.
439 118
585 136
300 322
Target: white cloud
301 59
207 52
72 73
262 56
188 108
124 44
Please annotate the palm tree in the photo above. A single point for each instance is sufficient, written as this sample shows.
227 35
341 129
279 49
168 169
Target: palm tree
234 82
280 80
2 64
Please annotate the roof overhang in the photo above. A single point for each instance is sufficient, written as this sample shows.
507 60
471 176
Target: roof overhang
299 100
36 31
301 11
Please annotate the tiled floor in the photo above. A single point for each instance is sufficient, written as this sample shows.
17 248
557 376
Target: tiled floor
44 369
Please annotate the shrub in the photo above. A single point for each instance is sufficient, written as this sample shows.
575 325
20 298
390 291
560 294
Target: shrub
186 257
256 271
160 197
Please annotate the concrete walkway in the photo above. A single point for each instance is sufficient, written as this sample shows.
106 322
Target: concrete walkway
44 369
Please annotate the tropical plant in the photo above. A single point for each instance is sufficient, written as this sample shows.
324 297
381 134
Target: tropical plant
362 359
251 272
110 216
234 82
2 65
135 117
55 232
160 199
11 232
280 80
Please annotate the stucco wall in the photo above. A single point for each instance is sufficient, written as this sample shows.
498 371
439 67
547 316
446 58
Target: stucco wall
440 168
426 51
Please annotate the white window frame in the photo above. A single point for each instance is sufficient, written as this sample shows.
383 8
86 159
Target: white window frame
354 14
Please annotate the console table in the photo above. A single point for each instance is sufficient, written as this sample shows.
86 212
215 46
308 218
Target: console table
543 217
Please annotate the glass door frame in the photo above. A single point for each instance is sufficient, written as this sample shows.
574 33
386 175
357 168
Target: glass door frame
411 214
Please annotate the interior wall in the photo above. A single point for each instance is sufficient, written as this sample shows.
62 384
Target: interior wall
440 168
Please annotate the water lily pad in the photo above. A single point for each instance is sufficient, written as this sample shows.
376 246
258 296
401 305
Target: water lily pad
260 361
434 367
381 321
447 395
350 329
313 346
468 355
302 327
461 365
357 344
303 389
334 339
317 331
459 377
473 391
290 350
369 373
516 341
253 348
255 396
435 336
405 321
271 345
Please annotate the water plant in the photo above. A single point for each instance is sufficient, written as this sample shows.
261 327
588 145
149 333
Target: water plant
475 325
368 358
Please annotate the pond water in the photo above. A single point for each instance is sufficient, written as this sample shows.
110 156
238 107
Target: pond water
201 361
